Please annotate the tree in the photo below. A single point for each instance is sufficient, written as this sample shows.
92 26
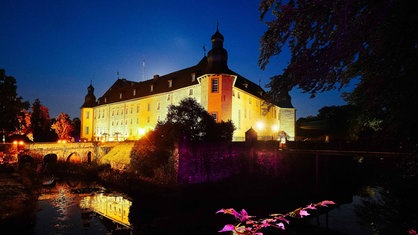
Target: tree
41 123
333 42
189 120
63 126
76 123
11 105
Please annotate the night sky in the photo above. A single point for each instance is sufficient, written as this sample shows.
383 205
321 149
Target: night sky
55 48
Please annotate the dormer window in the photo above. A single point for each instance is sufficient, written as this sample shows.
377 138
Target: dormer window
170 83
246 85
193 77
151 88
134 93
120 95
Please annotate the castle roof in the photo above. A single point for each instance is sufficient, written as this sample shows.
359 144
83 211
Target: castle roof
216 62
123 89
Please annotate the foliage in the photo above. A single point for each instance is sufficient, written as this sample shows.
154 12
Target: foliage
249 226
41 123
75 133
334 42
11 105
151 162
190 122
63 126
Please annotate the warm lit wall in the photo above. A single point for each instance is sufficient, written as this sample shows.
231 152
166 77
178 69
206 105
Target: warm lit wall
132 118
249 111
87 128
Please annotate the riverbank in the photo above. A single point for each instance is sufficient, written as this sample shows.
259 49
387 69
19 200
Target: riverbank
18 197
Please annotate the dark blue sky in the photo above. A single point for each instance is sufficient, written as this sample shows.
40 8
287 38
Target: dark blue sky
55 48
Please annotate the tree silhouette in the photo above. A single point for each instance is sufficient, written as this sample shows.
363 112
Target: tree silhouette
11 105
333 42
41 123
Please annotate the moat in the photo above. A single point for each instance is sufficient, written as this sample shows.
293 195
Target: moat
73 206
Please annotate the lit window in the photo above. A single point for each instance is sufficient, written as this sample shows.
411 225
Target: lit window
170 83
120 95
152 88
134 92
215 85
193 77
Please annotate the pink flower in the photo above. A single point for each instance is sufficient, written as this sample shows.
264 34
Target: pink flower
303 213
412 232
311 207
227 228
327 202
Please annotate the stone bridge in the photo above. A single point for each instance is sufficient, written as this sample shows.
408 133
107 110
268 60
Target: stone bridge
74 152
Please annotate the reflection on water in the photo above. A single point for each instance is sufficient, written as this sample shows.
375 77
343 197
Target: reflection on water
83 209
115 208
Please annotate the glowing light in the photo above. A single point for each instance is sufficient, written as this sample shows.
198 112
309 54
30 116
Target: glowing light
141 132
275 128
260 125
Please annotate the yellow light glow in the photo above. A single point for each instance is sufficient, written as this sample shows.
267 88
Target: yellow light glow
141 132
260 125
275 128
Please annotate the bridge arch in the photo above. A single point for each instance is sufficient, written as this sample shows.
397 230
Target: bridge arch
74 157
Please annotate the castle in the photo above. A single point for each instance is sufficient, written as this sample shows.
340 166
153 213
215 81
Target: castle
128 109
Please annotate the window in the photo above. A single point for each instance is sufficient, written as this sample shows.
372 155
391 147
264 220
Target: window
170 83
191 92
137 108
215 85
239 119
152 88
193 77
134 92
87 130
239 96
149 107
168 97
158 106
87 115
120 95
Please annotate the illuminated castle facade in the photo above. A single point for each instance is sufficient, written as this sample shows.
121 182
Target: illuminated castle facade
128 109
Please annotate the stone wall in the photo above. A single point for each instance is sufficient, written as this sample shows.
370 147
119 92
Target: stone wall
213 161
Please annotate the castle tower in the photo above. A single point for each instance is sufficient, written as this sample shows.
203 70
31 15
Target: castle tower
86 132
218 83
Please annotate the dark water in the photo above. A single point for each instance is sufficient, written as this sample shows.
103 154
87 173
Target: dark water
370 195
